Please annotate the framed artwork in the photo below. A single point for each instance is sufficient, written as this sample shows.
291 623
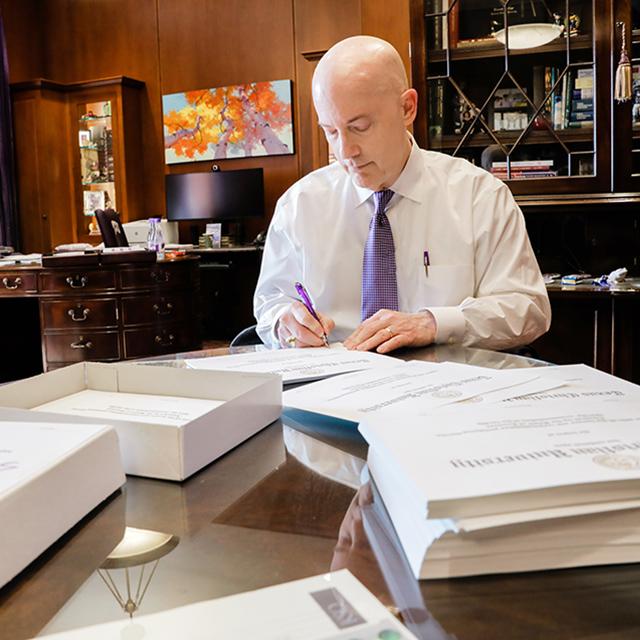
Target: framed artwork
93 200
238 121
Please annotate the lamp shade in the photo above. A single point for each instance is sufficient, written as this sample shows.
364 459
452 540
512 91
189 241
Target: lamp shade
528 36
140 546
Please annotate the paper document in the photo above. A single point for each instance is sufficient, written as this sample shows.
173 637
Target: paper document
19 258
411 387
472 461
334 606
605 533
297 365
134 407
579 382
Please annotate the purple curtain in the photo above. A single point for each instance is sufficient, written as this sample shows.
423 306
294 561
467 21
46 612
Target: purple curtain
8 207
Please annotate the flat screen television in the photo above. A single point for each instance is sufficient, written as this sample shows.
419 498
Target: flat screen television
215 195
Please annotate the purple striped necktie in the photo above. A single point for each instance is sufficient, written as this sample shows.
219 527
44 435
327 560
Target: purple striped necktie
379 285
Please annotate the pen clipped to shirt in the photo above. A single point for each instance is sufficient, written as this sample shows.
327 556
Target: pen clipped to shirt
306 301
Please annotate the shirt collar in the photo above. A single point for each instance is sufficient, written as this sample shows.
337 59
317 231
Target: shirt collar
409 182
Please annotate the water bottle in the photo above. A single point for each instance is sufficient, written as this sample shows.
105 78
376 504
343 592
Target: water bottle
155 241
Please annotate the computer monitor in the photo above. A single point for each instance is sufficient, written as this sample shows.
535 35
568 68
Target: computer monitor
215 195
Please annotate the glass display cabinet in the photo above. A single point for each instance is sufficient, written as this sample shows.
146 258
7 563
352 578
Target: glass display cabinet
95 139
107 158
520 88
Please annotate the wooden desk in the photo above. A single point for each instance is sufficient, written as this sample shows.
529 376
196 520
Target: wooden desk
57 316
228 278
263 514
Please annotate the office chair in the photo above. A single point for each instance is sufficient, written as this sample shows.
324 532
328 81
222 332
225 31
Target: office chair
246 337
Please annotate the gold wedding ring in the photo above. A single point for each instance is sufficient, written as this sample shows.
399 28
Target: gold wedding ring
290 340
390 330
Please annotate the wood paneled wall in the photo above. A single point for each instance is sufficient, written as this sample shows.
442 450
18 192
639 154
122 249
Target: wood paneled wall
176 45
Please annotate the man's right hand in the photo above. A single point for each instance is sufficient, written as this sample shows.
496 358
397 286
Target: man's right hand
296 322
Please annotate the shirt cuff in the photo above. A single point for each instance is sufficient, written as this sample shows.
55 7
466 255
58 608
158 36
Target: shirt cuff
267 332
450 324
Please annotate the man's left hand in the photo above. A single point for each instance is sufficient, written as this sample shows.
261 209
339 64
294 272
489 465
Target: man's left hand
387 330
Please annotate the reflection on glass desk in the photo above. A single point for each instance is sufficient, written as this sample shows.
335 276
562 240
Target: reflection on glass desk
291 502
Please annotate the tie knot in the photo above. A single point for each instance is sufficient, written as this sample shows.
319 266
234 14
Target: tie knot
382 199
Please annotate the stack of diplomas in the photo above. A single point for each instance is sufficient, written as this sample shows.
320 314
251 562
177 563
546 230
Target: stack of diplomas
511 486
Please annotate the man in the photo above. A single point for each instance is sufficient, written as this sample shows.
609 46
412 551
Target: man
397 246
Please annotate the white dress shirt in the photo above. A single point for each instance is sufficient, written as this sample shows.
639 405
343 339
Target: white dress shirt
483 284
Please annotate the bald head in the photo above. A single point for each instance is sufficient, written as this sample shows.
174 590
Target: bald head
360 62
364 107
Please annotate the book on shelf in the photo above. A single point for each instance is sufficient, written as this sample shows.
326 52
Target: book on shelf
473 43
635 95
584 82
454 24
581 105
524 175
443 28
571 103
523 169
523 163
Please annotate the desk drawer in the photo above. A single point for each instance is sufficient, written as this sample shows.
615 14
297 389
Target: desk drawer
165 276
78 314
17 283
79 346
79 280
139 343
150 308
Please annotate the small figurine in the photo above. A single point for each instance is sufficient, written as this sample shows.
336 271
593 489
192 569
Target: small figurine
558 21
574 25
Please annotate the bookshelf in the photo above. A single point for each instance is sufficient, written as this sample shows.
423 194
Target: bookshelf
542 112
626 115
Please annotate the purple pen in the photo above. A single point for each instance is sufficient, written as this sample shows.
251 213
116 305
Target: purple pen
306 301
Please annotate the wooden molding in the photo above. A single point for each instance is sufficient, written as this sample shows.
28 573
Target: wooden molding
52 85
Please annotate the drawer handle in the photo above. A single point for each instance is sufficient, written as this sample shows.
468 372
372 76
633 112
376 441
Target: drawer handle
77 282
165 342
78 318
12 285
160 276
82 344
168 309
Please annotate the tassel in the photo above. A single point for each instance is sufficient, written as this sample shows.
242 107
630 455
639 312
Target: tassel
622 86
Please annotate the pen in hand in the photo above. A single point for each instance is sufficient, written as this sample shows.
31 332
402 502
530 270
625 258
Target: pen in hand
306 301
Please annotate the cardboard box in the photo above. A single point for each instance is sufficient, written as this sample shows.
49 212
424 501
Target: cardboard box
250 403
51 476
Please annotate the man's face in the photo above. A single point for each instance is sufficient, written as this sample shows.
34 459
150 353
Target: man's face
366 131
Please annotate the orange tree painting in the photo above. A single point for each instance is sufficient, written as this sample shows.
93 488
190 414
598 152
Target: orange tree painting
228 122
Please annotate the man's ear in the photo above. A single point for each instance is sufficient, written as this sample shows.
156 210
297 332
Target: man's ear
409 106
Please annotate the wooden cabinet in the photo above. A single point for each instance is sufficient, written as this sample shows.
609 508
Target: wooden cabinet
597 327
42 154
119 312
73 139
229 277
105 313
538 117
